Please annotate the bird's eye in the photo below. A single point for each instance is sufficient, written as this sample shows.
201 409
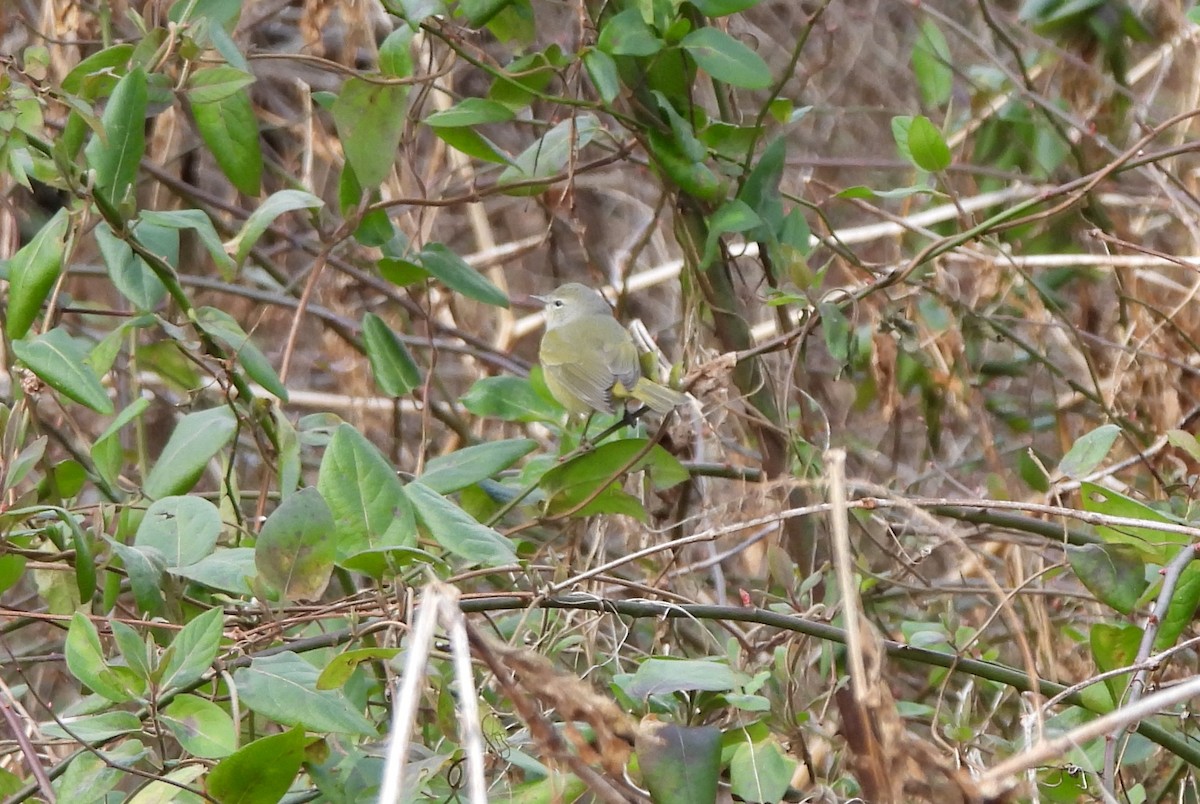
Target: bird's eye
558 302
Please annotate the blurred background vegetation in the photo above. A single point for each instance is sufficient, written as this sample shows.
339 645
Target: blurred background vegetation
270 396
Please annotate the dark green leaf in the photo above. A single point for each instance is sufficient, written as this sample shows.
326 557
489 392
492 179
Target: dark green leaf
456 531
931 62
193 650
602 69
32 272
1114 573
129 273
761 772
222 327
455 274
1088 451
217 83
196 220
470 112
1155 546
294 552
733 216
259 773
202 727
465 467
116 156
627 34
510 399
726 59
183 529
658 676
95 76
60 361
392 366
196 439
283 688
266 213
721 8
145 567
230 131
370 120
1115 646
1181 610
549 156
680 764
370 508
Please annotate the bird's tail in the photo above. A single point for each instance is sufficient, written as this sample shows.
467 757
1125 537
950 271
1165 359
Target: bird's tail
659 398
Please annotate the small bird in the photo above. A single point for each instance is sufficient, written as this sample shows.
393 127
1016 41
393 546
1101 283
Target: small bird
589 360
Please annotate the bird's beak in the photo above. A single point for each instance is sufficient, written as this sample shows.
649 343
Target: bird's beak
542 300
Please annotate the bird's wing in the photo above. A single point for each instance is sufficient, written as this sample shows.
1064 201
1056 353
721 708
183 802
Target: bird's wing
565 361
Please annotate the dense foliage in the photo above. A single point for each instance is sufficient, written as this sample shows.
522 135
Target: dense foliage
288 512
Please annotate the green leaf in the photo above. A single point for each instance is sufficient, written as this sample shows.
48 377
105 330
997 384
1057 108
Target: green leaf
627 34
395 59
733 216
95 76
230 130
511 399
584 476
202 727
130 274
139 656
659 676
294 552
183 529
1115 646
722 8
370 120
216 83
370 508
266 213
680 764
226 569
473 144
94 728
726 59
467 466
196 439
456 531
549 156
60 361
259 773
1088 451
1182 439
455 274
32 272
392 366
1114 573
90 777
470 112
193 650
602 69
931 62
145 567
921 143
85 660
197 221
116 156
1181 610
224 329
1155 546
761 772
342 666
107 455
283 688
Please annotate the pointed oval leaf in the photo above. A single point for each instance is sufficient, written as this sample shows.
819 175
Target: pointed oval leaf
115 156
465 467
230 130
183 529
457 531
32 272
454 273
196 439
60 361
294 552
202 727
370 119
261 772
1088 451
392 366
283 688
369 506
726 59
